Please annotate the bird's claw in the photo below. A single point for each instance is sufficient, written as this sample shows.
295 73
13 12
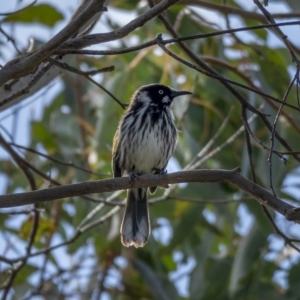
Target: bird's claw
133 176
160 171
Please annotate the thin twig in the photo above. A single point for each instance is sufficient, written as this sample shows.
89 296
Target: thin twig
93 39
24 64
211 141
76 234
69 164
209 70
248 145
226 9
289 241
26 89
202 157
86 75
200 201
265 147
18 11
213 74
9 38
21 212
274 130
250 82
279 32
20 162
55 182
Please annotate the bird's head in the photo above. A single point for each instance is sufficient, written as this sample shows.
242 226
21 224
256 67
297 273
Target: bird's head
157 94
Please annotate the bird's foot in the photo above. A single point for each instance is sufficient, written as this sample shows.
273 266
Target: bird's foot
160 171
133 176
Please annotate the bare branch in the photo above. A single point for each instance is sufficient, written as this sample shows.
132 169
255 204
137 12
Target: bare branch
9 38
72 45
226 9
291 48
274 129
24 65
19 161
86 75
27 63
249 81
17 11
20 83
212 73
69 164
24 91
109 185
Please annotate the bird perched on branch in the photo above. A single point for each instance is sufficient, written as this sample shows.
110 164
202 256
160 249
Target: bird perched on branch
143 144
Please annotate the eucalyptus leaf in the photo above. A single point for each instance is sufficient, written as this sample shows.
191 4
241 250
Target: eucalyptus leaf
44 14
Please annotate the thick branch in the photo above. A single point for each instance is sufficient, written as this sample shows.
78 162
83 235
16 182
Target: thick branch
109 185
92 39
27 63
9 92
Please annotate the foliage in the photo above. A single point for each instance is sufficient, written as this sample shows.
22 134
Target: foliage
43 14
209 241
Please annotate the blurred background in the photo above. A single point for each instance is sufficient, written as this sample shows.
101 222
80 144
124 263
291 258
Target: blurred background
209 241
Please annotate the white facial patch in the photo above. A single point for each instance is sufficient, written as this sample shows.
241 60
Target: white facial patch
143 97
166 99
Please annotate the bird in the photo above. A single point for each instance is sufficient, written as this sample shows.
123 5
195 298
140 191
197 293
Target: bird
143 144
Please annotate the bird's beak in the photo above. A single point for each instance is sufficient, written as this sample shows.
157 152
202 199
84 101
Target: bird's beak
180 93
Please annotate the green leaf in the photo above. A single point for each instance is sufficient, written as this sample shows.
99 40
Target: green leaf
293 278
216 267
43 14
261 33
272 67
248 254
198 274
24 273
294 5
188 219
21 289
128 5
160 289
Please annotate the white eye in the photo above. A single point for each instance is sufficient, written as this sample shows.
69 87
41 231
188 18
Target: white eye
161 92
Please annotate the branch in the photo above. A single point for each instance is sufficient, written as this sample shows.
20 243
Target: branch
87 76
20 162
230 10
109 185
27 63
249 81
208 70
274 130
6 90
64 163
18 11
11 39
290 47
72 45
26 89
93 39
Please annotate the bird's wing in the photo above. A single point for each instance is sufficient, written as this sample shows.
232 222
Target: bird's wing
116 157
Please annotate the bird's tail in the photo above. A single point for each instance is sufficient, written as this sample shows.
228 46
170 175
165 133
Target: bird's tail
135 228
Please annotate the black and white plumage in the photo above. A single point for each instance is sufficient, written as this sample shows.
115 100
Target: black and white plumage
143 144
